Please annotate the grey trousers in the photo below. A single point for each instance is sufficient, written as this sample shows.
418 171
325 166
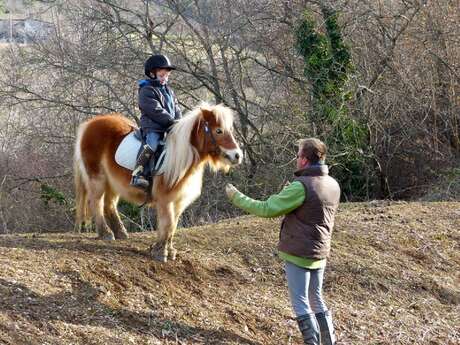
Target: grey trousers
305 289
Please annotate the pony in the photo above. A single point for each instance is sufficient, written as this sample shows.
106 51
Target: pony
204 137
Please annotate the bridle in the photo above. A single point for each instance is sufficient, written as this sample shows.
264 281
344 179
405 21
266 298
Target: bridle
208 133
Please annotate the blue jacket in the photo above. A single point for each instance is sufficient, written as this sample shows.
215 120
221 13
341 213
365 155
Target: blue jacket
158 106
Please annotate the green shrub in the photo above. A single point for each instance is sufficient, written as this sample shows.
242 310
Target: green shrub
328 67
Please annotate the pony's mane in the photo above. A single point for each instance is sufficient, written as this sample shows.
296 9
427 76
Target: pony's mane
180 153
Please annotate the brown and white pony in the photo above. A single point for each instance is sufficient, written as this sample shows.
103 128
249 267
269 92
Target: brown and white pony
204 136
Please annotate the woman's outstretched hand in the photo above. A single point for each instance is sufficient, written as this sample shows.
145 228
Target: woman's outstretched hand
230 190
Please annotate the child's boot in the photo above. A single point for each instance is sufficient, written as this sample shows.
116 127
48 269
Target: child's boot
138 179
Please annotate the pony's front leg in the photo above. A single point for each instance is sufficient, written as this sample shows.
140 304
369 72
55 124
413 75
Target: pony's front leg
166 225
178 209
172 252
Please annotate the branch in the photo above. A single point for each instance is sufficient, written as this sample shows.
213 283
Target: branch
25 180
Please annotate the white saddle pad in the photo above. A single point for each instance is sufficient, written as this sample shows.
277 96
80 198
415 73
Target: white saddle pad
126 154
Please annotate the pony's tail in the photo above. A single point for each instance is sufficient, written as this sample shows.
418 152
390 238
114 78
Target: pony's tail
82 219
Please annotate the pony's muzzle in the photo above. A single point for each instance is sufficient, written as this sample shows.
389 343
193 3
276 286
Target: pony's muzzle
235 156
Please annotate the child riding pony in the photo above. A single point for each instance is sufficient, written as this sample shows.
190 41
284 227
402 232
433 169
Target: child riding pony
159 109
203 137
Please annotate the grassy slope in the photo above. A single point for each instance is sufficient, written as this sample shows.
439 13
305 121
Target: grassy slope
393 278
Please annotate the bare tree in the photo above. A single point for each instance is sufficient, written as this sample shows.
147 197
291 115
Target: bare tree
241 53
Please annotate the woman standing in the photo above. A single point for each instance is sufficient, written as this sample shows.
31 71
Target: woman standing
309 205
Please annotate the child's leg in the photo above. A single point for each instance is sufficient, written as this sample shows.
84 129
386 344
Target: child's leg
152 139
144 160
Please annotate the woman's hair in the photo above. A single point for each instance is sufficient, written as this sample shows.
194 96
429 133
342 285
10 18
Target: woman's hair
313 149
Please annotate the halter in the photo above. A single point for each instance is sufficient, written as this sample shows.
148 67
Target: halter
216 150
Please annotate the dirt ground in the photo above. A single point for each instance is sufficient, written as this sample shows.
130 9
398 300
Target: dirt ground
393 278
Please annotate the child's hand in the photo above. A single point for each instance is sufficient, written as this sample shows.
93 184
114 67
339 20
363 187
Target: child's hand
172 125
230 190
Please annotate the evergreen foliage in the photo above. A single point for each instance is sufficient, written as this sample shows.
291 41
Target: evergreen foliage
49 194
2 7
328 67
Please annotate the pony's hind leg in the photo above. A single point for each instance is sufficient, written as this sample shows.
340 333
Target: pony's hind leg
84 221
81 210
112 217
96 204
83 216
166 223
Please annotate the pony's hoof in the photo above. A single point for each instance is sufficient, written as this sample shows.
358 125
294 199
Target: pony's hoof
106 237
159 252
172 253
122 235
160 258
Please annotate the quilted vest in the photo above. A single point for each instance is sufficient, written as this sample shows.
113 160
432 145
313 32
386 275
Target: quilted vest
306 231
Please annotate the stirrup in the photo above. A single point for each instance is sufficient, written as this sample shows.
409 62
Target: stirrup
139 182
137 179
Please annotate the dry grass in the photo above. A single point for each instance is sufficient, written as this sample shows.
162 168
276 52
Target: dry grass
4 45
393 278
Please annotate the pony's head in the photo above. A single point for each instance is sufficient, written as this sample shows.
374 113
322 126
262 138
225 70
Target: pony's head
213 136
204 134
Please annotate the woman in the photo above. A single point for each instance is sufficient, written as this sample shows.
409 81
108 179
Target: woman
309 205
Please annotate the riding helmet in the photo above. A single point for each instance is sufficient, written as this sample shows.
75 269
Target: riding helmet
157 61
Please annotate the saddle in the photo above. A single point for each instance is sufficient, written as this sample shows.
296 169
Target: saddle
129 149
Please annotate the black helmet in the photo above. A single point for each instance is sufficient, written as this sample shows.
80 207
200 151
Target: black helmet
157 61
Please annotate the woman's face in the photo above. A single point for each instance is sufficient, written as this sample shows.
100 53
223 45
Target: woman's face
163 75
302 162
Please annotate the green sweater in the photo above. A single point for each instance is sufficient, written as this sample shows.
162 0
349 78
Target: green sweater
291 197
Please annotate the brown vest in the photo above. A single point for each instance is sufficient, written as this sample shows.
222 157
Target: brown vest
306 231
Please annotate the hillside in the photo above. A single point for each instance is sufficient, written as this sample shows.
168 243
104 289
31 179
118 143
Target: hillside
393 278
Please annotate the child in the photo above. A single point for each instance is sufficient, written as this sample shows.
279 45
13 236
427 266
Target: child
159 109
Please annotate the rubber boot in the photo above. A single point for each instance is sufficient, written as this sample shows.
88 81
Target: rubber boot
326 327
138 179
309 328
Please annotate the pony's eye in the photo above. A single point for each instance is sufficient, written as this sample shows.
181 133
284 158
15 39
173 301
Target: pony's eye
219 131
